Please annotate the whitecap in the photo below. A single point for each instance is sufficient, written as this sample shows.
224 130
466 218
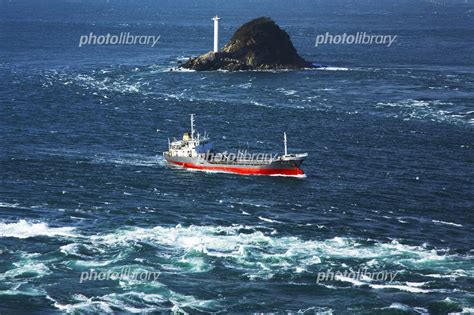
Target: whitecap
93 263
245 85
181 70
26 269
287 92
258 252
260 104
85 304
134 302
435 110
350 280
269 220
399 287
400 306
24 229
29 291
447 223
292 176
9 205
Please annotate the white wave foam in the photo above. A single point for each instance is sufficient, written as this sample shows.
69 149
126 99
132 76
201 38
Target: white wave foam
452 275
447 223
292 176
406 288
399 306
200 170
287 92
260 104
28 291
9 205
257 252
332 69
135 302
93 263
24 229
245 85
413 287
175 96
435 110
26 269
262 255
71 249
97 82
269 220
130 159
416 284
413 254
181 70
85 304
316 310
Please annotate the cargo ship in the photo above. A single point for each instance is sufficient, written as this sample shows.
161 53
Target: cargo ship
194 151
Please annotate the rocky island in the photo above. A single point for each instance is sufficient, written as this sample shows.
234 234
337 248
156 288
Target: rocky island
257 45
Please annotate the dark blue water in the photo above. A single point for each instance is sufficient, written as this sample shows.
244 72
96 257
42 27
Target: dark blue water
389 185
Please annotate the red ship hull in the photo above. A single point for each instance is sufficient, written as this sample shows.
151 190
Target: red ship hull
294 171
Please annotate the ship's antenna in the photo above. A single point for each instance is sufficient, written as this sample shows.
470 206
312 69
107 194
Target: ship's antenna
286 144
192 126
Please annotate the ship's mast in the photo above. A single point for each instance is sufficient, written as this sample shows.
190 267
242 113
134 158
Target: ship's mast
192 126
286 145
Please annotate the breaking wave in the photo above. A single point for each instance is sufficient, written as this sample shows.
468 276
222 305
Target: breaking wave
24 229
259 252
135 302
253 252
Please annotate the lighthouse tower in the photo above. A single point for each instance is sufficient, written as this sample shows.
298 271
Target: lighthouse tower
216 33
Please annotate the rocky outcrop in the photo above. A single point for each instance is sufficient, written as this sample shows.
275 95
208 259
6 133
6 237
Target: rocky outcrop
258 44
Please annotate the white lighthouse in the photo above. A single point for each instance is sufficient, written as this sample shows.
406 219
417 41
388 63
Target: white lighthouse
216 33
